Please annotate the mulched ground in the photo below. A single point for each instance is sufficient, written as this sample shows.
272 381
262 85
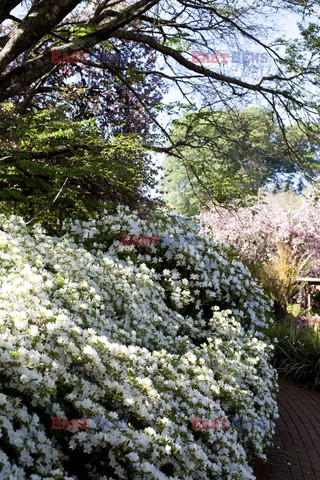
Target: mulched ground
296 451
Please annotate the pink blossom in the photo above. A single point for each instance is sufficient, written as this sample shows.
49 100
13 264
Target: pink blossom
258 229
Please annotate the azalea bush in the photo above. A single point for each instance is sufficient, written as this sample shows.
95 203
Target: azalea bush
153 334
278 238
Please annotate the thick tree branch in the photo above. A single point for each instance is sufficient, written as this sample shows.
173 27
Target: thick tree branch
152 42
24 75
39 21
6 7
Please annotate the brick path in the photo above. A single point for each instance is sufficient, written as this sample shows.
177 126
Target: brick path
296 451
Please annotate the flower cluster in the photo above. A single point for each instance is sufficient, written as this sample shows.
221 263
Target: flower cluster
90 327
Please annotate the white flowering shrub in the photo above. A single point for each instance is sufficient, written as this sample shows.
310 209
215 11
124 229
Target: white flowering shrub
156 335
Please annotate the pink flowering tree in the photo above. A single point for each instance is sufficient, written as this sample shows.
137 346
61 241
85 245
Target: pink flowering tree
278 238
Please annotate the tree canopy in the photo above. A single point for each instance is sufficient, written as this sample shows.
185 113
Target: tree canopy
77 145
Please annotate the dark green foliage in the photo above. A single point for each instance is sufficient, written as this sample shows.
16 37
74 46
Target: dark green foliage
297 350
53 167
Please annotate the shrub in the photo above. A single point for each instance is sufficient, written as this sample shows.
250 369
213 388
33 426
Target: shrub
297 348
309 321
278 277
156 335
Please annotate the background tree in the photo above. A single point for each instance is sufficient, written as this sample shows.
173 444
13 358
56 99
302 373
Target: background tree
86 91
230 155
54 167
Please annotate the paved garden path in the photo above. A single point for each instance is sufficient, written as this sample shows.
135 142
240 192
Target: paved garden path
296 451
